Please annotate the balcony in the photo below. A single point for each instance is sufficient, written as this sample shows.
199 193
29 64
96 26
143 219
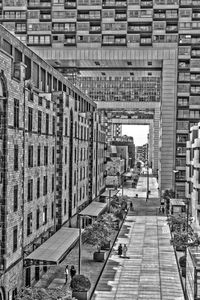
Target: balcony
45 16
145 41
70 4
37 4
146 4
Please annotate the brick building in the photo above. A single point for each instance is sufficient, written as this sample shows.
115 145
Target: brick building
48 151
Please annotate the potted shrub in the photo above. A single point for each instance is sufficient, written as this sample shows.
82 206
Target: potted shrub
80 284
98 234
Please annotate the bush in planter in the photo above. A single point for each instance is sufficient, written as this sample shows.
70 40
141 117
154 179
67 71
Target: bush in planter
80 283
98 234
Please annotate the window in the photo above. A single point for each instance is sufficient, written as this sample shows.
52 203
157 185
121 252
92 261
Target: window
47 123
52 183
38 188
38 156
53 125
39 39
37 218
29 224
65 207
39 122
16 157
53 154
44 216
65 181
30 190
45 185
30 119
52 210
65 155
45 155
15 198
16 113
15 238
30 156
66 126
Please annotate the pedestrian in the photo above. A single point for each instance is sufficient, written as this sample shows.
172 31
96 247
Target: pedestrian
124 250
131 206
120 249
72 271
66 273
163 209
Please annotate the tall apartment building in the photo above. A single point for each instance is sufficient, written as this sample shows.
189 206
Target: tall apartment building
51 138
140 51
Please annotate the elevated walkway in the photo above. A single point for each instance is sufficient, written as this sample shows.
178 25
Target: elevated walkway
150 271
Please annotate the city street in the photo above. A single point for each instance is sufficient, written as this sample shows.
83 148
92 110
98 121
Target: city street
150 270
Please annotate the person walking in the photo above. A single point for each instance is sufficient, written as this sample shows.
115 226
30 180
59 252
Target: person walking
124 250
72 271
66 273
120 249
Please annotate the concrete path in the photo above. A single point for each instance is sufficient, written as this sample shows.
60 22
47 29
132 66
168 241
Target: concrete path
150 272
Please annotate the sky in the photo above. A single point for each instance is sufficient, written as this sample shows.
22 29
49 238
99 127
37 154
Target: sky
138 132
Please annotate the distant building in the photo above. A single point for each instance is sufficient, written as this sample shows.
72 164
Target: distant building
125 143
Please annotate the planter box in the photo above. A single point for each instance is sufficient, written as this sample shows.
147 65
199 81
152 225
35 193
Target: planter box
105 246
82 295
99 256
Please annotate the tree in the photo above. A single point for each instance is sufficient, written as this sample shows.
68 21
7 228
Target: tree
99 232
183 235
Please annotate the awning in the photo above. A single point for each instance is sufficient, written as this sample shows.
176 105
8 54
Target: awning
93 209
56 247
111 193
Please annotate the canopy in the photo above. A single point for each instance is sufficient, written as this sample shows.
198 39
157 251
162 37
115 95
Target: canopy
56 247
93 209
111 193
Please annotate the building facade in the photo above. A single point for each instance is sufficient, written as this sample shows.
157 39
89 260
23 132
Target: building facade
51 136
193 175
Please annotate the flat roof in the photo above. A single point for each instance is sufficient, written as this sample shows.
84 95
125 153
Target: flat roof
56 247
93 209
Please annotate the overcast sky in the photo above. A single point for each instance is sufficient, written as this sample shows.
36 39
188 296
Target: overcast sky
138 132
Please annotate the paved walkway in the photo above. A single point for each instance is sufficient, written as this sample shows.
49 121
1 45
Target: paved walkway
150 272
